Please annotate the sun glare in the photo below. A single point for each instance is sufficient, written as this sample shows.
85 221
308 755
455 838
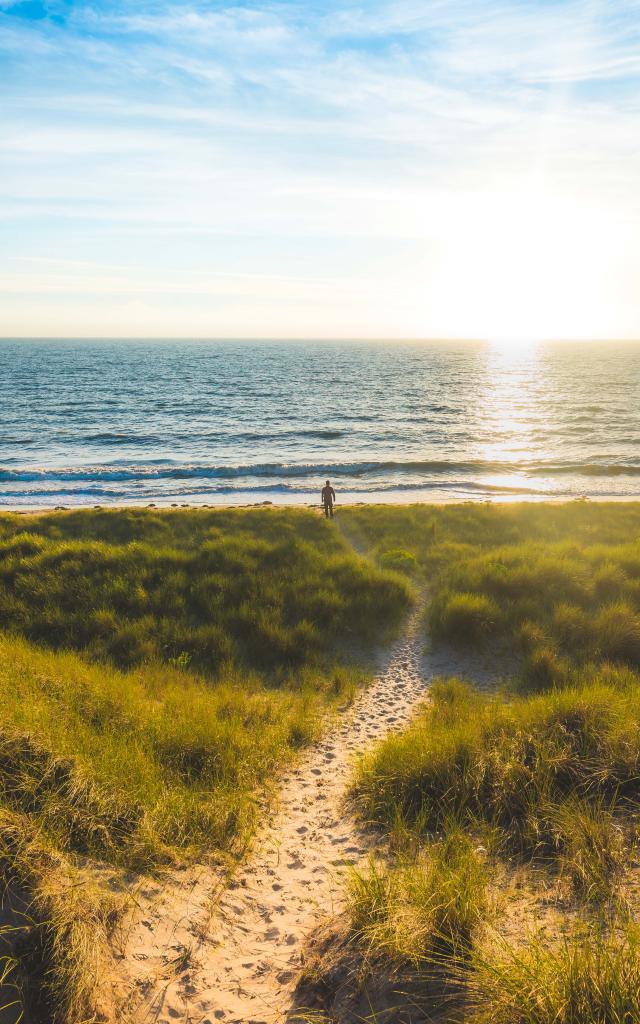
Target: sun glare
526 265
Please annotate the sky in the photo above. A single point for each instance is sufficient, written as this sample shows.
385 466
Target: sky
439 168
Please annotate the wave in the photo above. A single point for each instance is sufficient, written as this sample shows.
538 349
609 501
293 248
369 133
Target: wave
109 438
280 488
424 468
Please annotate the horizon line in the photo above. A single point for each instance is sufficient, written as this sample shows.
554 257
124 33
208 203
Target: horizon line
423 339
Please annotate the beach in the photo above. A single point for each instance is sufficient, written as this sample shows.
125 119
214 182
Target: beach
320 512
260 766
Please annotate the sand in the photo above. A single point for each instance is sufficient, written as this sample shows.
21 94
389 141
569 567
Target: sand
198 952
397 498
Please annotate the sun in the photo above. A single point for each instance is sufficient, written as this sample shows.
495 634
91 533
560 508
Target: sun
519 266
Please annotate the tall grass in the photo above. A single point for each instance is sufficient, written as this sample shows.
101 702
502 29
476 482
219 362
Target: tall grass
586 979
236 630
545 771
130 766
542 778
62 969
157 669
423 910
543 785
267 591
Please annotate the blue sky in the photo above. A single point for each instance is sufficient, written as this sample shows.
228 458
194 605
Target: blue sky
452 168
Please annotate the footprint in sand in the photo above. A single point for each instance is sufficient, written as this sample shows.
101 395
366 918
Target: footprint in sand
312 808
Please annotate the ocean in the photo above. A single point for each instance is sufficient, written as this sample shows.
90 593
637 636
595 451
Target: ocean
86 423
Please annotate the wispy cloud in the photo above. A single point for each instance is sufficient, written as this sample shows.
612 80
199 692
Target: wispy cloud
341 138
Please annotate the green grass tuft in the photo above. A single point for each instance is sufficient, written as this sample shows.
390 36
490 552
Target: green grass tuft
420 911
584 980
515 765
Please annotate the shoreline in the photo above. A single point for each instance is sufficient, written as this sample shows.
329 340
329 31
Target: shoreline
170 506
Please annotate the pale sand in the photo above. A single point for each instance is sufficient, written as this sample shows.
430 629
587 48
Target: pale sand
196 954
400 498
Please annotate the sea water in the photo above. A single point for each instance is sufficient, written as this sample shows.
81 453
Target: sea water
173 422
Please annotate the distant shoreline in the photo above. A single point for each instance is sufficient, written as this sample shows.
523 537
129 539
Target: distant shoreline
166 506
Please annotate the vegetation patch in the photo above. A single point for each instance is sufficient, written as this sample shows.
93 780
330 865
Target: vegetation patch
549 775
559 583
591 978
538 782
424 908
263 591
157 670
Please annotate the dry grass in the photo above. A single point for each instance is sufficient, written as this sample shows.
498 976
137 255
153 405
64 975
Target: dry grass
157 671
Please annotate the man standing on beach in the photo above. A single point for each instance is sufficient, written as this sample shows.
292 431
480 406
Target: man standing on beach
328 498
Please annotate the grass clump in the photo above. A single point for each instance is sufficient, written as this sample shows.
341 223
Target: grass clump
593 845
62 967
399 560
465 618
591 979
560 583
539 769
491 799
424 910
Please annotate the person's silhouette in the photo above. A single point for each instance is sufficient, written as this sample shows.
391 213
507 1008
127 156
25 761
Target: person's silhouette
328 498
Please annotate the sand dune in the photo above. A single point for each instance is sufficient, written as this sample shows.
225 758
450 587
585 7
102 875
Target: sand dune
199 953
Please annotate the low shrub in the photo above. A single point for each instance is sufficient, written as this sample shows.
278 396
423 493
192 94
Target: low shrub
464 618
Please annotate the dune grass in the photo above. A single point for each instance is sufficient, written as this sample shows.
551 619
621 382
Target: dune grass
134 767
132 770
61 963
540 780
157 670
424 908
482 788
586 979
269 591
550 775
558 583
235 632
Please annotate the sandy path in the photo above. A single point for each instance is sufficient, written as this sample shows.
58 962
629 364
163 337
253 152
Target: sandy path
238 954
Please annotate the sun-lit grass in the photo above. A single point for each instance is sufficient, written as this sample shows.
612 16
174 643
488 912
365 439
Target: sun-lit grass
423 909
271 591
587 979
157 670
130 766
540 779
542 770
559 583
237 629
480 786
159 667
63 967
